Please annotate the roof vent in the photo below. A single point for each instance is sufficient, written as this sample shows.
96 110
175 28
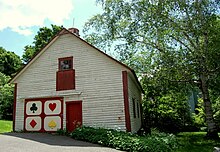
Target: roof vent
74 31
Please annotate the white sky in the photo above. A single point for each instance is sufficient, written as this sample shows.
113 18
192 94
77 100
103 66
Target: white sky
21 15
20 19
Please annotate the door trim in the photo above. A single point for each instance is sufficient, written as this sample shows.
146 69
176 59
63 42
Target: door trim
126 101
72 102
14 105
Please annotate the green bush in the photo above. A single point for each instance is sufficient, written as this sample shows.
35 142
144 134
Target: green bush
6 97
216 111
156 142
168 112
62 132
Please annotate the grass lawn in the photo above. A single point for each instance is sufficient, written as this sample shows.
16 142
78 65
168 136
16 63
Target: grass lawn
195 142
5 126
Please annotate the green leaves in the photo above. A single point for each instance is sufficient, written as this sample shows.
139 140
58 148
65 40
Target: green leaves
6 97
44 35
10 63
171 44
157 142
174 30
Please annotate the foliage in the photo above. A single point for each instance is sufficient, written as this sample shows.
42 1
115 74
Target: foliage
10 63
127 141
5 126
168 113
43 36
199 116
6 97
178 39
165 102
196 142
216 110
62 132
215 96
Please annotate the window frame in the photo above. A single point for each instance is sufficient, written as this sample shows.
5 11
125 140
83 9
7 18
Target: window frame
134 107
138 110
64 59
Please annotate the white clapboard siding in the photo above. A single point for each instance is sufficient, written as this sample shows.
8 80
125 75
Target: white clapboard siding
134 92
98 79
19 118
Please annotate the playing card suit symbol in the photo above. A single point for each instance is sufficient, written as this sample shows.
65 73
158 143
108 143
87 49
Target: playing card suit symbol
33 123
52 106
52 124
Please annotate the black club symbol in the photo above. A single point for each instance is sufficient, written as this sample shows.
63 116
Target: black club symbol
33 107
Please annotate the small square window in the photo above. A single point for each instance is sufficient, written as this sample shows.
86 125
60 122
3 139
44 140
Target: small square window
138 112
65 63
134 109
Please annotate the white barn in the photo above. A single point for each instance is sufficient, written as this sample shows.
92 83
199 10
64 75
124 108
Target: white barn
70 83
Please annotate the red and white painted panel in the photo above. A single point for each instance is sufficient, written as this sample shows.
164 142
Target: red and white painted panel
45 114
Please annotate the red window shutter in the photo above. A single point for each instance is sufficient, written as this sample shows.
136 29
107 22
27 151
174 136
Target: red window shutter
65 80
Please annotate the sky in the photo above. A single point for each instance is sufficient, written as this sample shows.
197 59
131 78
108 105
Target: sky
21 19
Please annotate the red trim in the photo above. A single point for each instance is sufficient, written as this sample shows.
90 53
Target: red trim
25 115
65 80
72 102
61 114
45 98
57 84
126 102
14 105
42 115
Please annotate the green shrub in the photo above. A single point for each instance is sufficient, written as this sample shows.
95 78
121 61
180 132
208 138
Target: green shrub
157 142
6 97
169 112
62 132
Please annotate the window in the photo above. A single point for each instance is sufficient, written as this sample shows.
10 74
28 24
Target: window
65 63
65 79
138 110
134 109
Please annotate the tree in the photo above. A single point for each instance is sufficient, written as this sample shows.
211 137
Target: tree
177 36
44 35
6 97
10 63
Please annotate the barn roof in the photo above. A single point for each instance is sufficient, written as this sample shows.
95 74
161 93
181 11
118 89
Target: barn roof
65 31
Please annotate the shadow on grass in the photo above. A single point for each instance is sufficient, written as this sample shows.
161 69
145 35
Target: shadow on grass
196 142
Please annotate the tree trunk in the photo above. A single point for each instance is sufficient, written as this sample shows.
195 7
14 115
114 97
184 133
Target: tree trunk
212 130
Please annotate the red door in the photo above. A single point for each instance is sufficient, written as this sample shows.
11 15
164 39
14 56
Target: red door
73 115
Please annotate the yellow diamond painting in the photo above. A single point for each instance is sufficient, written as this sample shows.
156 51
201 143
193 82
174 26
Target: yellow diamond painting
52 124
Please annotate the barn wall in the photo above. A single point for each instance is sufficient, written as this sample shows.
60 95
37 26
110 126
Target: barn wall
19 116
98 83
134 93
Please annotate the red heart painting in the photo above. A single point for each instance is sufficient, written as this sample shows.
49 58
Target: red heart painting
52 106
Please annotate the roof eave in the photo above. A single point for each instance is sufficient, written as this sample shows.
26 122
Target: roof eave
35 57
61 32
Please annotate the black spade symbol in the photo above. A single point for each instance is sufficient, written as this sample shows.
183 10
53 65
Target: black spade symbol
33 107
